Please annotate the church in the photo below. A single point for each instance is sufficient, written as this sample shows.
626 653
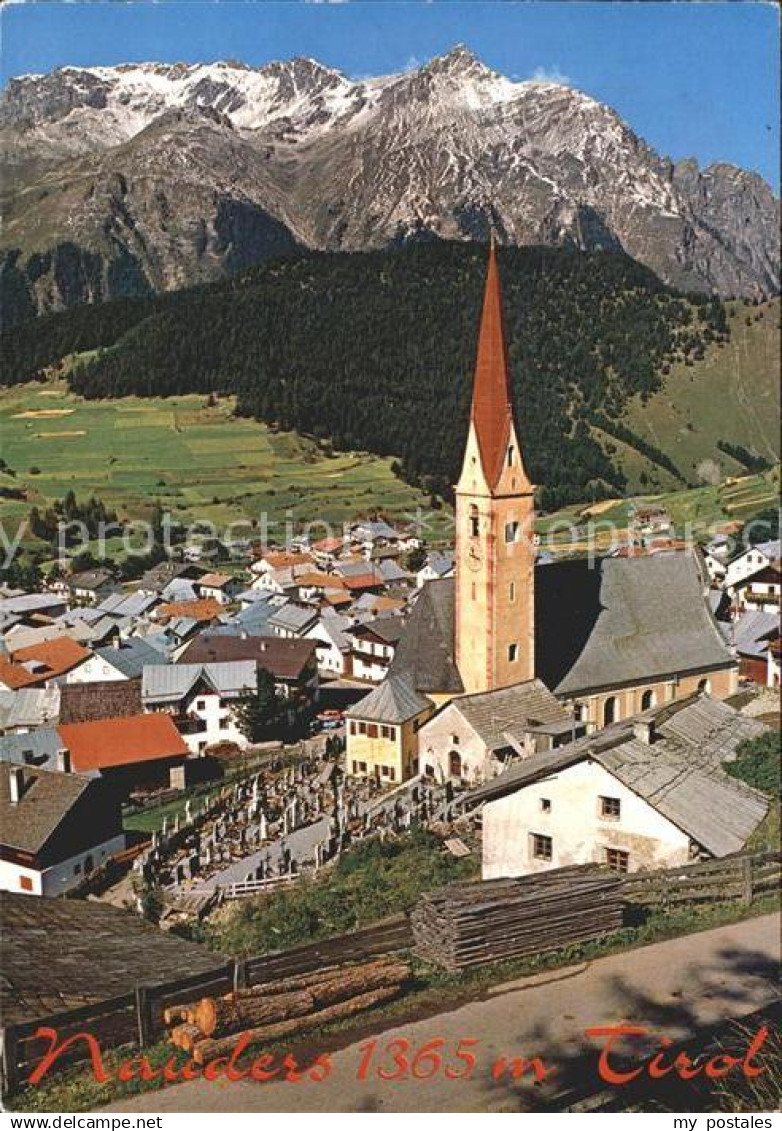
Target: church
606 639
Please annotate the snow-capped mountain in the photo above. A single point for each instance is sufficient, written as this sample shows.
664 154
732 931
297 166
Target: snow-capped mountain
156 175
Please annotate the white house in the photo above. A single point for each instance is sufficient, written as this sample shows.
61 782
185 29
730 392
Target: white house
201 698
220 587
644 794
333 644
125 659
373 645
474 737
759 590
437 565
54 828
751 560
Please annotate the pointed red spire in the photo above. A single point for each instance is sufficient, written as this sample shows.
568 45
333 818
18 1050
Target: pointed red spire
492 404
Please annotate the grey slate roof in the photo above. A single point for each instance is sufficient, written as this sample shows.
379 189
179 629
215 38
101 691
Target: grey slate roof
392 701
29 707
46 799
425 649
679 773
512 710
752 631
37 748
293 618
132 656
628 620
171 683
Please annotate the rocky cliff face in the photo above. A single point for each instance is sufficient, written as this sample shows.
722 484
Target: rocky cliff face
124 179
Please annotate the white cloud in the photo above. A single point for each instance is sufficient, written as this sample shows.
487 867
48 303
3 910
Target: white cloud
549 74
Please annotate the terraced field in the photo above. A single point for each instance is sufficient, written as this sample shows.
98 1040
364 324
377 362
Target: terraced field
197 460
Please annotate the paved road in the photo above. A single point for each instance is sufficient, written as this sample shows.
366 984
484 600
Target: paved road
674 988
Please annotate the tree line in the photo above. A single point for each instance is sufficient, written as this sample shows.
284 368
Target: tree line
375 351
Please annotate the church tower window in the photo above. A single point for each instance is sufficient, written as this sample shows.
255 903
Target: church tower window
474 522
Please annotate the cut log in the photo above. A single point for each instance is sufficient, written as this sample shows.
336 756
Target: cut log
173 1014
186 1036
218 1016
209 1048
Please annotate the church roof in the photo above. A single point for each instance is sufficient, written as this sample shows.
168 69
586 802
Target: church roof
492 404
394 700
425 649
626 620
623 620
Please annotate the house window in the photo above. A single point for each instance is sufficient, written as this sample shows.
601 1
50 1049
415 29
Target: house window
616 859
352 728
541 847
704 685
647 700
388 732
354 765
545 805
391 773
224 724
362 728
362 767
455 764
25 883
454 740
513 652
200 704
372 731
610 713
474 524
511 531
610 808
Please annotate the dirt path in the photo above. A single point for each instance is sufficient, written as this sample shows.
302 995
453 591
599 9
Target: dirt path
674 988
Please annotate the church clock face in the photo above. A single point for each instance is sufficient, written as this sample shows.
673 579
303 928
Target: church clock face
474 557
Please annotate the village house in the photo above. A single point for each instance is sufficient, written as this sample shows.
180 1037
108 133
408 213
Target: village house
382 732
292 662
155 580
751 634
373 644
134 752
330 633
774 662
220 587
292 620
436 566
760 590
91 586
125 659
475 737
55 828
29 708
40 664
750 560
643 794
201 699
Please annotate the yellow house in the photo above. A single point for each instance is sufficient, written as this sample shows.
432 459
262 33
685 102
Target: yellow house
382 731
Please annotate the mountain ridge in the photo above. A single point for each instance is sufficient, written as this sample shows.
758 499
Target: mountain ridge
326 162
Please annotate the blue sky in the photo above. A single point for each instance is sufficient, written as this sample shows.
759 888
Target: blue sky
693 79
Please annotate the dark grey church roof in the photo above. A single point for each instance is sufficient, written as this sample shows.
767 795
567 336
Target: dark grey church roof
425 650
623 620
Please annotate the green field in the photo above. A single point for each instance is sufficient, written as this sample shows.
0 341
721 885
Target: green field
730 394
198 462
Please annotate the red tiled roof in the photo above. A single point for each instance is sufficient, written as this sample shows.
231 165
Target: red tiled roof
205 609
492 404
363 581
281 559
56 657
103 743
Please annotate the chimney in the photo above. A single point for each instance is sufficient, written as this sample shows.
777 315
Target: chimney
15 784
64 761
28 757
643 731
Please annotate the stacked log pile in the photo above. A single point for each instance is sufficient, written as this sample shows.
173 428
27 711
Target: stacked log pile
483 922
270 1011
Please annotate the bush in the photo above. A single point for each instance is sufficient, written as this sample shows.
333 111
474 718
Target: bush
758 762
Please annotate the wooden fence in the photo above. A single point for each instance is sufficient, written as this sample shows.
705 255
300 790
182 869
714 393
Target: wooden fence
135 1019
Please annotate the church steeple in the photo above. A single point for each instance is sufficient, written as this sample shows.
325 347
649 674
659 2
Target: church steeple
492 404
495 554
